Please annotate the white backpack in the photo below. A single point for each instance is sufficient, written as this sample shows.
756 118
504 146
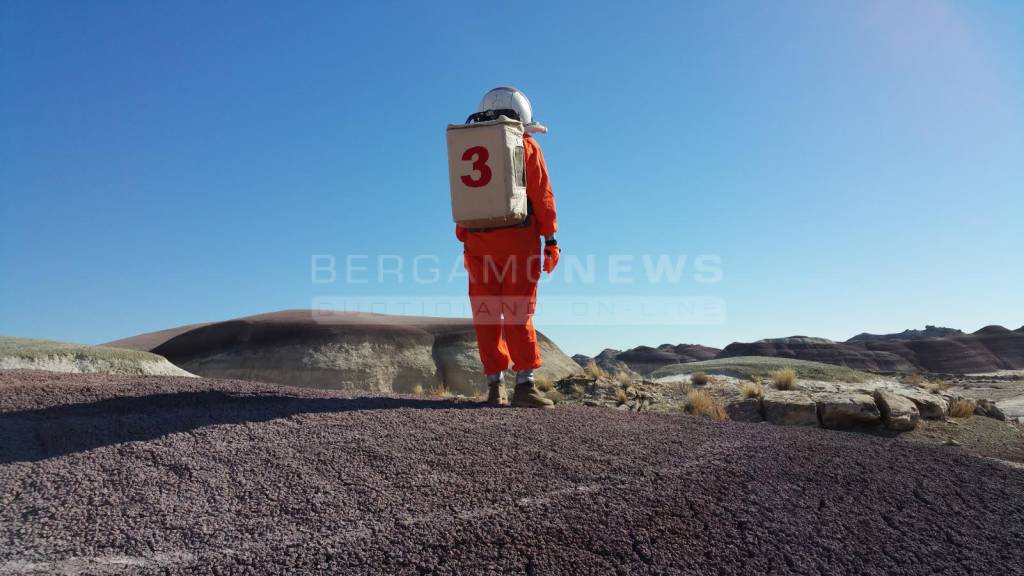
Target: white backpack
487 173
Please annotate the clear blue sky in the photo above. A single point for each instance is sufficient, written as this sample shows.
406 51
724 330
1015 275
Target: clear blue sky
855 165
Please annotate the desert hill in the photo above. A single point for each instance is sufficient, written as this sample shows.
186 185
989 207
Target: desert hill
338 350
645 359
33 354
934 349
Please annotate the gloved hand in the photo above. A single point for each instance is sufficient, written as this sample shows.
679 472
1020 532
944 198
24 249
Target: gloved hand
551 254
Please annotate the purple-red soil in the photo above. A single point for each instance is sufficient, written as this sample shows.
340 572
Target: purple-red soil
161 475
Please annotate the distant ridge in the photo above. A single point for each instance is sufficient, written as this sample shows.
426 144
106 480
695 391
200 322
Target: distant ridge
928 332
934 349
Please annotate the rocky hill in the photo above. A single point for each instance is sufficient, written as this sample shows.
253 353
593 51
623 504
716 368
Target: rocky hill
990 349
645 359
821 350
338 350
935 349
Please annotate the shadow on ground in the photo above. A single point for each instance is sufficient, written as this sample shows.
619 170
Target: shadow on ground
33 435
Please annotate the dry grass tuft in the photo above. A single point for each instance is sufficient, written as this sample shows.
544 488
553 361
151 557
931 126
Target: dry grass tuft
685 387
417 390
752 389
699 379
784 379
700 403
439 391
915 380
543 383
623 379
962 408
555 395
936 386
621 396
594 371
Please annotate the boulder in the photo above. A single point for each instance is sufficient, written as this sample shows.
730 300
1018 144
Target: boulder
789 408
898 413
931 406
841 411
988 409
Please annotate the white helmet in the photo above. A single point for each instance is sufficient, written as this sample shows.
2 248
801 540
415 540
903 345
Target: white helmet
508 98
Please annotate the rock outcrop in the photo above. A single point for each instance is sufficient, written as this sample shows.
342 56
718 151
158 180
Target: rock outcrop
340 350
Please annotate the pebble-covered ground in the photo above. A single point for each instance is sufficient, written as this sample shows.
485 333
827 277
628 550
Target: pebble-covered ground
163 475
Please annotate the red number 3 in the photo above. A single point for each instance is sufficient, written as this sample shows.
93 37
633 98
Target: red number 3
478 155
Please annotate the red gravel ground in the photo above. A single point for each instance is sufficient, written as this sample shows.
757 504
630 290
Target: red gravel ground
156 475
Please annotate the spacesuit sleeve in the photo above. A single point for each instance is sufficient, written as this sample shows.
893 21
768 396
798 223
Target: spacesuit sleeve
460 233
538 189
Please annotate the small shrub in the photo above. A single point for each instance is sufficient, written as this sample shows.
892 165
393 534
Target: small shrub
554 395
752 389
784 379
699 379
577 391
417 390
936 386
700 403
543 383
623 379
594 371
962 408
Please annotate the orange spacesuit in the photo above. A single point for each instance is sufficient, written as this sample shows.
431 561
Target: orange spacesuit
504 266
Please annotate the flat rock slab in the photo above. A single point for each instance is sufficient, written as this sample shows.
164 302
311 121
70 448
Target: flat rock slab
789 408
840 411
158 475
